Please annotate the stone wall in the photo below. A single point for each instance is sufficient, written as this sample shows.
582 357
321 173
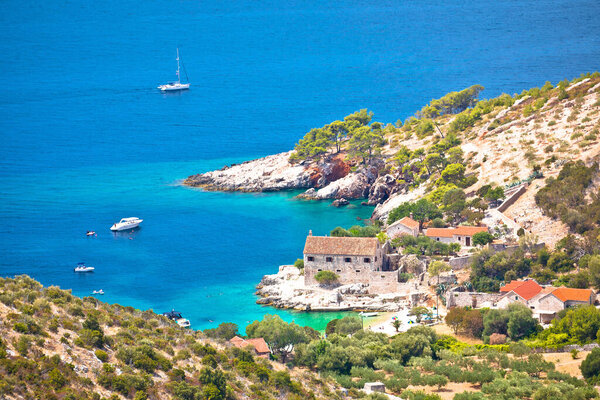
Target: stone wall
382 282
355 271
512 198
461 262
470 299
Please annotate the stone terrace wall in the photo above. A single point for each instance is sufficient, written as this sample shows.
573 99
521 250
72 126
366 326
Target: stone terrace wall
470 299
381 282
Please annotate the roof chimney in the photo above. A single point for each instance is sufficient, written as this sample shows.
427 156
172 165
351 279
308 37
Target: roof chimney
411 215
310 232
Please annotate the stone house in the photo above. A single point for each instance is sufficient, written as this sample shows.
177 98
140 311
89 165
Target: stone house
548 303
518 291
352 259
544 302
258 344
404 226
460 234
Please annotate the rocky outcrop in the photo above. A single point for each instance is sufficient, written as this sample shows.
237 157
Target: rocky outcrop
355 185
269 173
275 172
381 189
382 210
286 289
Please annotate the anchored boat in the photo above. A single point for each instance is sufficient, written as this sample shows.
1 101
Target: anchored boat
177 85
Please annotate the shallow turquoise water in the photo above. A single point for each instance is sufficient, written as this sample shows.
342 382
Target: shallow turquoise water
87 139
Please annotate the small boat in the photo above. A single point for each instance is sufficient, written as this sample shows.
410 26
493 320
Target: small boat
177 85
368 314
176 316
90 233
126 223
82 268
98 291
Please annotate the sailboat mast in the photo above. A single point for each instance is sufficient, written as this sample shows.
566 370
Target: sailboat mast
178 77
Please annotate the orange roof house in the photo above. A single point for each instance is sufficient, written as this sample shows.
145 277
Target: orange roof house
575 295
526 289
404 226
459 234
260 346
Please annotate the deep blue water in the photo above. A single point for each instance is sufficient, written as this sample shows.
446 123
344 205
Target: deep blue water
86 138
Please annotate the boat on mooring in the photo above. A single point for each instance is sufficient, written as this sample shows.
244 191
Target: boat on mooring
176 316
81 267
177 85
126 223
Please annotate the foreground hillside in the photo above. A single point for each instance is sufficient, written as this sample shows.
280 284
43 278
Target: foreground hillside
457 141
56 346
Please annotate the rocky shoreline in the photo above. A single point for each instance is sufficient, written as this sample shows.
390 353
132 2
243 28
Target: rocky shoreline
332 178
286 289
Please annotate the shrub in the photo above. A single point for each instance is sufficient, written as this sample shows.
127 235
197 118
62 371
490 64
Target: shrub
102 355
326 277
590 367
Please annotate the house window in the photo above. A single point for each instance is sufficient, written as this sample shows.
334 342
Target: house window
310 258
367 260
437 239
358 270
375 258
329 259
319 270
347 259
516 297
338 270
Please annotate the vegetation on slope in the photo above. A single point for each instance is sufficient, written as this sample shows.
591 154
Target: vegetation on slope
57 346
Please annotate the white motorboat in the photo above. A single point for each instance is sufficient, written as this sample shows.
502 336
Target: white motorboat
81 267
126 223
176 316
368 314
98 291
182 322
177 85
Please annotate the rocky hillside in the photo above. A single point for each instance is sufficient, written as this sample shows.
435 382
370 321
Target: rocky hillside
500 141
56 346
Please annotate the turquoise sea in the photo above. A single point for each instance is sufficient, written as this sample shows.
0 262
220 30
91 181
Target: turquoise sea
87 139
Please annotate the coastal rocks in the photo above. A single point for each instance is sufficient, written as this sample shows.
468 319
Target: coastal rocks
340 202
382 210
269 173
286 289
381 189
273 173
355 185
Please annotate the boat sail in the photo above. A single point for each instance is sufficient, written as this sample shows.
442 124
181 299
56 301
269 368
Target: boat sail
174 86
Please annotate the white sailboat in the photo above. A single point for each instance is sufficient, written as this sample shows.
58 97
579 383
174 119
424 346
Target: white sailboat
174 86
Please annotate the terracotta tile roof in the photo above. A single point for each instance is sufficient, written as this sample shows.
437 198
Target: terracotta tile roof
566 294
440 232
407 221
469 230
351 246
511 286
528 289
458 231
259 344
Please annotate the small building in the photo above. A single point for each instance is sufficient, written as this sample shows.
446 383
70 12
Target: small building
460 234
519 291
374 387
352 259
258 344
547 304
404 226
